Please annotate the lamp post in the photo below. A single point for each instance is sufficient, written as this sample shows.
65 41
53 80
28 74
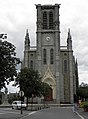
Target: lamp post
21 93
32 102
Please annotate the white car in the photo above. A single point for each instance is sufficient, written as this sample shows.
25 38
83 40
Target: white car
18 104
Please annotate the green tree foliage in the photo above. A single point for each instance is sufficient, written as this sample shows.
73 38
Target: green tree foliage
83 91
83 84
13 98
29 81
45 89
8 63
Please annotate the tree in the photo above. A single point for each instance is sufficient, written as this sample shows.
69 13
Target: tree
45 90
82 91
8 63
83 84
30 82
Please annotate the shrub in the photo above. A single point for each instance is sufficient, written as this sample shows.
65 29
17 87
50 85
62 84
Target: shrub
85 105
81 105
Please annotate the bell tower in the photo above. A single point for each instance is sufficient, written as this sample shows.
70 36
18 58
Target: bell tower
48 24
48 42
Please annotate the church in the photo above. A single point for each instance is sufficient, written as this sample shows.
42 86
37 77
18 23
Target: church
56 64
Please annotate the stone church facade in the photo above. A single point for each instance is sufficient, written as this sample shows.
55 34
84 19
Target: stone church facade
56 64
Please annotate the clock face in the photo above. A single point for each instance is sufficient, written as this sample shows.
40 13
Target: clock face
47 38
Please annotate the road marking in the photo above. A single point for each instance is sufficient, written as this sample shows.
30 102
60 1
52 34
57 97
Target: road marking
28 114
32 113
79 115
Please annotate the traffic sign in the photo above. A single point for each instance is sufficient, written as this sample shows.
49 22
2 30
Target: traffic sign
21 93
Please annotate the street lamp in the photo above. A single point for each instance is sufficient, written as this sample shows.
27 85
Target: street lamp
21 93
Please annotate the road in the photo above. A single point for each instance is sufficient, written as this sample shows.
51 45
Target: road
53 113
49 113
8 113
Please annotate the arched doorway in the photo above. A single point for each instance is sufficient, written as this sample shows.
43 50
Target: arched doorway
52 89
49 96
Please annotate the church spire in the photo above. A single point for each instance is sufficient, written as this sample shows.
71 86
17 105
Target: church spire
69 41
27 40
69 34
76 74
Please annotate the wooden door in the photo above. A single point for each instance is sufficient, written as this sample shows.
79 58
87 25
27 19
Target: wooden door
49 97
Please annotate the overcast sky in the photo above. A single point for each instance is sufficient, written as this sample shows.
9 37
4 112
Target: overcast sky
18 15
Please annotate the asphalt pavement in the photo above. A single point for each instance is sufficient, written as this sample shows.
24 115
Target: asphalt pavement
81 112
8 113
53 113
49 113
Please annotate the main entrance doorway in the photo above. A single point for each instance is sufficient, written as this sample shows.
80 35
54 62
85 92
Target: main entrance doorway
49 97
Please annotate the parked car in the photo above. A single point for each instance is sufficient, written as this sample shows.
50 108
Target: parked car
18 104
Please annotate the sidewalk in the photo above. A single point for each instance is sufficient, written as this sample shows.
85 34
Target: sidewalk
82 113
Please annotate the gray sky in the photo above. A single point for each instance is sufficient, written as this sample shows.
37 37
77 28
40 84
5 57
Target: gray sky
18 15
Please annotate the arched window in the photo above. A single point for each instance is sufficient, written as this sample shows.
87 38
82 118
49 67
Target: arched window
51 56
50 20
44 56
65 66
45 20
31 64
